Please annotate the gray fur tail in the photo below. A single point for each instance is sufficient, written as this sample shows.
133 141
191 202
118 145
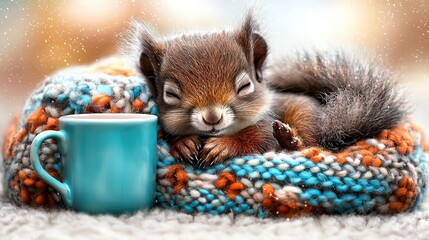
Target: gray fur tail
359 98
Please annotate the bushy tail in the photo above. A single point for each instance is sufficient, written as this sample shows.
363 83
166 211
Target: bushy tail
359 98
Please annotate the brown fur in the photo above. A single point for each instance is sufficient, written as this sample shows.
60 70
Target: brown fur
301 113
196 78
253 139
204 68
357 97
186 58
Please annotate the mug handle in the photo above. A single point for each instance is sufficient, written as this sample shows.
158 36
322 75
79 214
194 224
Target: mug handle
62 188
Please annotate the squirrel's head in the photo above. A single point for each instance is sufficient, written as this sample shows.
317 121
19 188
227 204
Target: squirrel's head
207 84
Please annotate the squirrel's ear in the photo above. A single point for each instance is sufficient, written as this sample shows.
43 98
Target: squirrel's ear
141 49
254 45
150 61
260 51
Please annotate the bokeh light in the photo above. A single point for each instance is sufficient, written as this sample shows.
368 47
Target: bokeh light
39 37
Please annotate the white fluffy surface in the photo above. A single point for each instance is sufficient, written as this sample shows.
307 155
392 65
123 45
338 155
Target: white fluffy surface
28 223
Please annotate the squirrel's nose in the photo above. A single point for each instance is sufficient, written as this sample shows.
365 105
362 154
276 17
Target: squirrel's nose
212 117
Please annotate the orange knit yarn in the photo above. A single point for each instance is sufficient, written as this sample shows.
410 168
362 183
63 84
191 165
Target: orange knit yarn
99 103
404 196
138 105
177 177
398 137
33 190
282 208
227 183
36 119
9 139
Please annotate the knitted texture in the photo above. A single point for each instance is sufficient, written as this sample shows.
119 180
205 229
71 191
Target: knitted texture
384 174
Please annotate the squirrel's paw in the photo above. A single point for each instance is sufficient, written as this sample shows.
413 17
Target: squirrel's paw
185 148
216 150
286 136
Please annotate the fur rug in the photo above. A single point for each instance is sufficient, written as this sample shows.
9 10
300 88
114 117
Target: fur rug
27 223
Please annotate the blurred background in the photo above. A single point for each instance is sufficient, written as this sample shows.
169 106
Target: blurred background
39 37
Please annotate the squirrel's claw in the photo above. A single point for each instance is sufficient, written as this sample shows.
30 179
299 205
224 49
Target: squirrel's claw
215 150
286 136
185 148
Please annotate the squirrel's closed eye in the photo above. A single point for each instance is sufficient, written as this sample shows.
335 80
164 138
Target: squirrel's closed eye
171 93
244 85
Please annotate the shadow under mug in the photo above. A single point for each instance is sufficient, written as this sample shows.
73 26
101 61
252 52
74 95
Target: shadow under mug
108 161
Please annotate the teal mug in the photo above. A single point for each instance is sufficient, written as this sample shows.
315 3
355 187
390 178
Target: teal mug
108 161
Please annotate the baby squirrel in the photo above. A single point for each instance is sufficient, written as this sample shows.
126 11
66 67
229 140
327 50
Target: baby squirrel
216 98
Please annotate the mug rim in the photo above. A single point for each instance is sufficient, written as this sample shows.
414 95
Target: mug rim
108 117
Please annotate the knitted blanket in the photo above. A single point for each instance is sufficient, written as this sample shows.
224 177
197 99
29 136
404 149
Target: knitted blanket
384 174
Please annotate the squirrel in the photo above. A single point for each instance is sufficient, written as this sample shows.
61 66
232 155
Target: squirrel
217 99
